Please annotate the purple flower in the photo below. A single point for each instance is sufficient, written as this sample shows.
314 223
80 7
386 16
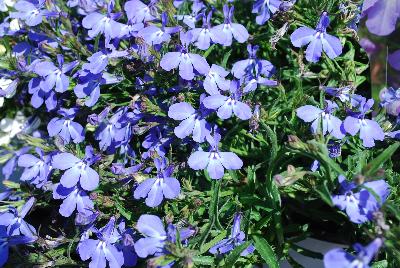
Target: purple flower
157 141
7 240
163 186
369 129
360 205
394 60
10 166
382 15
127 245
223 33
225 105
37 170
236 238
214 160
77 170
156 236
103 248
30 13
264 9
154 35
193 122
152 227
54 76
330 123
191 19
339 258
74 198
253 65
99 60
202 37
89 86
103 24
138 12
317 40
184 60
65 127
15 223
215 80
39 95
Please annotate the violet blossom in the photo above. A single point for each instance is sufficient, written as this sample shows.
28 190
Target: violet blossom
184 60
369 129
264 9
77 170
65 127
37 170
214 161
360 205
74 198
330 123
163 186
236 238
318 40
223 33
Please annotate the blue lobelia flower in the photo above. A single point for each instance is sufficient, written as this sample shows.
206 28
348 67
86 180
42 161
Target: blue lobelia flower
253 65
318 40
214 160
54 76
382 16
264 9
156 236
98 62
184 60
157 141
40 96
228 105
7 240
191 19
89 84
215 80
65 127
154 35
163 186
152 227
14 220
127 244
37 170
202 37
11 164
369 130
74 198
77 170
103 248
110 132
361 205
236 238
31 14
223 33
193 122
339 258
251 81
330 123
103 24
137 11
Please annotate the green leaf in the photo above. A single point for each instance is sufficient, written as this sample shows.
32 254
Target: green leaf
203 260
208 51
235 254
266 251
324 193
121 209
226 58
380 264
375 164
204 248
